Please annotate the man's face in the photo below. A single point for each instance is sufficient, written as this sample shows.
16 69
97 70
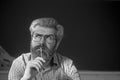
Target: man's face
43 42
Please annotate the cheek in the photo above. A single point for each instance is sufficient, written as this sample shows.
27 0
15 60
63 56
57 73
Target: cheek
50 45
33 44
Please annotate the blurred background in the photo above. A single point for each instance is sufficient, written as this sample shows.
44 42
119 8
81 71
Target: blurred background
91 29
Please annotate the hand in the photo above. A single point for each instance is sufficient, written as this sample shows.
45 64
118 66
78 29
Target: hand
33 67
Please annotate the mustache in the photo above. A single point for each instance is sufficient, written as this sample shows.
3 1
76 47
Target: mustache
40 50
40 47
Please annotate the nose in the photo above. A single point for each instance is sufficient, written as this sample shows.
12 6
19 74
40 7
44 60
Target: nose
42 41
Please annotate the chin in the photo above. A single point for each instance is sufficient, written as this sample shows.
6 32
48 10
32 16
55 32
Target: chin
45 53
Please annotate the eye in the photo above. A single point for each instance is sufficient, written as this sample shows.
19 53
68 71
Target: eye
37 37
50 38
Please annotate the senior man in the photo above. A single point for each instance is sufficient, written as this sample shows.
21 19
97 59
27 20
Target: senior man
43 62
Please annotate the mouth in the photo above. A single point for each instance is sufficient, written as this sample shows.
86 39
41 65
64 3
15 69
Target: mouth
39 51
42 53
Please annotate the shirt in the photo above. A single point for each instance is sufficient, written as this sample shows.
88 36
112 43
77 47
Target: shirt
61 68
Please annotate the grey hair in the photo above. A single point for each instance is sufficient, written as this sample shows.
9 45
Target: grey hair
51 23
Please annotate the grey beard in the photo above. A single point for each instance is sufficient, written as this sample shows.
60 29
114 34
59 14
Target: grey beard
43 52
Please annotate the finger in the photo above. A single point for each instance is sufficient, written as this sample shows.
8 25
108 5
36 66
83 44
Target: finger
38 63
40 58
35 65
35 68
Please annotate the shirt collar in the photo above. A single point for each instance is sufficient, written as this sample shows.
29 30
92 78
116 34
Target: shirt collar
54 62
55 59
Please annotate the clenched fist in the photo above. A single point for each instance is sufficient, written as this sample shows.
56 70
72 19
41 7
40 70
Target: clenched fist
32 68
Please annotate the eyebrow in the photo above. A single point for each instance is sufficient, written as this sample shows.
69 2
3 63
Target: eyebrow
46 34
38 34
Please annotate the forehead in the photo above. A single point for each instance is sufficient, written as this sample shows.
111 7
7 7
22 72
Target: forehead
43 30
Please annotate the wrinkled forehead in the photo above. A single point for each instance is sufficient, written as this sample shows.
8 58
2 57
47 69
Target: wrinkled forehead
43 30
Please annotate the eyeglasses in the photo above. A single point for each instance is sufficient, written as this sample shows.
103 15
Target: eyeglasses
39 37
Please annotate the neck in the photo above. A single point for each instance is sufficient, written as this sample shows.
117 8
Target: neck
47 64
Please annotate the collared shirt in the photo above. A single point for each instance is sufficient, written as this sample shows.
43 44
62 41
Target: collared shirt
60 68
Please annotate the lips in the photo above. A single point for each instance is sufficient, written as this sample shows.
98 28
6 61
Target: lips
42 53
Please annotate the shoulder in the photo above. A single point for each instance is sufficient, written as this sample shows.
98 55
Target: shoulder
22 58
65 60
18 65
20 61
69 68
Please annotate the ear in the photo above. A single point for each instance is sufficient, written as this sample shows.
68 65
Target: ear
60 33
